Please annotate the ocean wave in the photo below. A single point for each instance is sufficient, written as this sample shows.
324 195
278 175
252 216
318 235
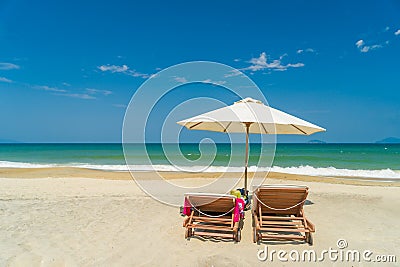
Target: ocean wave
332 171
12 164
300 170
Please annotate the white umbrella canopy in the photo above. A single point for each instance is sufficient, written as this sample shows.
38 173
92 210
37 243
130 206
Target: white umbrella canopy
250 116
262 119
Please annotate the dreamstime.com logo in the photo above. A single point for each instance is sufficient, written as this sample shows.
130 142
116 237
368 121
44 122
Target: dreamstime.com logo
339 254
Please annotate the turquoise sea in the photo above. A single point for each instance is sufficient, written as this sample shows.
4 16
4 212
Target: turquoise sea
357 160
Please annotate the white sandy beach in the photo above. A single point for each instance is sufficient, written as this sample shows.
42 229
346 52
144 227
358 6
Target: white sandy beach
99 222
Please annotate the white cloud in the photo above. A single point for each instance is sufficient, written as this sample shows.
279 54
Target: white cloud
48 88
366 48
397 32
92 91
237 59
371 47
180 79
134 73
5 80
360 43
233 73
308 50
296 65
66 84
113 68
386 29
88 93
261 63
122 69
8 66
214 82
81 96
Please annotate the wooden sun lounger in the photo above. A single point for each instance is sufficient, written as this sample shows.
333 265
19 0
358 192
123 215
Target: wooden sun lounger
278 214
212 215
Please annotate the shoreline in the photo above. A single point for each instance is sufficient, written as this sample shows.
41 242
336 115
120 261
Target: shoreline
73 172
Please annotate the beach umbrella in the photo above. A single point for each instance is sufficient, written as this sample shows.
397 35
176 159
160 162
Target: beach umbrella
250 116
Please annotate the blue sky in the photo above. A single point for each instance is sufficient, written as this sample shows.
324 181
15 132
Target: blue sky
68 69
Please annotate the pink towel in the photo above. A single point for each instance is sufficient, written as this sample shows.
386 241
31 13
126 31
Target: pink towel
239 210
187 207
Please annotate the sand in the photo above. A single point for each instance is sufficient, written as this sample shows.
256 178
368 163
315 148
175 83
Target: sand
72 221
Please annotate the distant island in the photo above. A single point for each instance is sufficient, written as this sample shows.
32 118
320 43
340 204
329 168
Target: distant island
316 142
389 140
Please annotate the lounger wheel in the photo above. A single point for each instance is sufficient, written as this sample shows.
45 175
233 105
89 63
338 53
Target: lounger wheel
188 233
309 239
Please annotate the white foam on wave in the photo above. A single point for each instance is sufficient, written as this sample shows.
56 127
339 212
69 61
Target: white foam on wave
11 164
301 170
332 171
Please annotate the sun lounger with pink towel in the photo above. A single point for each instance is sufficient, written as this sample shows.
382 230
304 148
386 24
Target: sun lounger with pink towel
213 215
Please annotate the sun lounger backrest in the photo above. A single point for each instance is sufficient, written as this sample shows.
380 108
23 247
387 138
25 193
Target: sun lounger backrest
278 199
207 203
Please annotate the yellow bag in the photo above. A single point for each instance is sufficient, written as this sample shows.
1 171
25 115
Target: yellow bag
236 193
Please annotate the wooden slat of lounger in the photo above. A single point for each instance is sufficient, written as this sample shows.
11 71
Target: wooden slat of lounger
272 190
213 223
286 208
212 218
207 220
281 194
281 202
278 199
281 197
266 236
282 209
222 235
283 226
281 218
298 230
286 188
208 227
282 223
275 190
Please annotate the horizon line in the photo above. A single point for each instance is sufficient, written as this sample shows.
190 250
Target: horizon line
120 143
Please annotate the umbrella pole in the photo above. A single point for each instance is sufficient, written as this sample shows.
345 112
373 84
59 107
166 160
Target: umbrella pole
246 162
